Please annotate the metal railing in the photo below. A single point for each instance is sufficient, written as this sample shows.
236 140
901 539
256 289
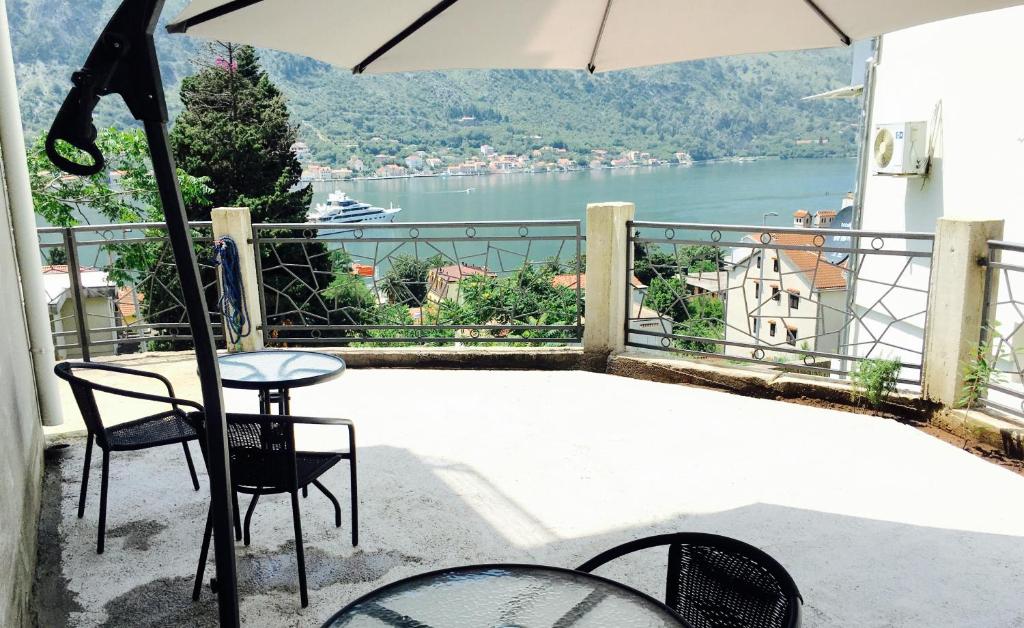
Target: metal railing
125 296
421 283
809 300
1001 327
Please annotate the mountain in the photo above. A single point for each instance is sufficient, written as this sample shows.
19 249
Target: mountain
748 105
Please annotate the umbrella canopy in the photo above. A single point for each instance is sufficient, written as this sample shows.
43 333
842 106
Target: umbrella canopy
599 35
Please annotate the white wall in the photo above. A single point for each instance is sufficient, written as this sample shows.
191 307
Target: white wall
21 438
965 77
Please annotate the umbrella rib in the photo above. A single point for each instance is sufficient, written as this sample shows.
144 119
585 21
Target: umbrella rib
843 37
206 16
420 22
600 33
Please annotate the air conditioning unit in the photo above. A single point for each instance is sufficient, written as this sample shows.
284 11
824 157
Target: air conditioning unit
900 149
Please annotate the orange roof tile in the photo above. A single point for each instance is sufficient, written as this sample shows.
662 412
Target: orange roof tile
455 272
810 264
827 213
801 213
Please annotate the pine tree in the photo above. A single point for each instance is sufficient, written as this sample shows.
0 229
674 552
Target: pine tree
235 129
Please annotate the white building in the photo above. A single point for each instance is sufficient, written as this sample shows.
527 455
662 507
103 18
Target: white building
963 78
790 299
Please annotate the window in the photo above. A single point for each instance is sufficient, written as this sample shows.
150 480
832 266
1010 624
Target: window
776 295
775 264
791 335
759 261
757 290
794 300
771 329
755 323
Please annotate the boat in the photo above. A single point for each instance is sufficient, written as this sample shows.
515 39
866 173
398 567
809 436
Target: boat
340 209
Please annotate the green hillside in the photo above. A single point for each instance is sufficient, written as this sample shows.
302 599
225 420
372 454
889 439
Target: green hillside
713 108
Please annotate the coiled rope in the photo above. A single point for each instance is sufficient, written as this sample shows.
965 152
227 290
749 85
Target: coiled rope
232 293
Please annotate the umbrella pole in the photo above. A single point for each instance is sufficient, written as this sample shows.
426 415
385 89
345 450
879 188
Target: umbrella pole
123 61
209 374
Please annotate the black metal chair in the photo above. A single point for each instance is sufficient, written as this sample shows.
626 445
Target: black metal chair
718 582
264 461
170 427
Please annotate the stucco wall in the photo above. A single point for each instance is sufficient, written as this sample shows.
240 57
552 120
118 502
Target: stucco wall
21 440
962 76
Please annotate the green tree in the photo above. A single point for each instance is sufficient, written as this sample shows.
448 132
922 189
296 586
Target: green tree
124 191
406 280
235 129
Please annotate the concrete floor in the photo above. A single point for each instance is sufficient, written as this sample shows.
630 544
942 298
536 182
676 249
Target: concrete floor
879 524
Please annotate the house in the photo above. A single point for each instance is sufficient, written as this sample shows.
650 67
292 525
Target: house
792 299
443 282
104 307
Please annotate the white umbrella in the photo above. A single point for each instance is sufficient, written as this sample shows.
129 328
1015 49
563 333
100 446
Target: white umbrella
599 35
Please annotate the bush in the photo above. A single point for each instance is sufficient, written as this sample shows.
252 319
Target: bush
874 380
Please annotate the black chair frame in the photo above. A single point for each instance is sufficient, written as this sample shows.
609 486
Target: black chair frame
272 448
681 541
128 436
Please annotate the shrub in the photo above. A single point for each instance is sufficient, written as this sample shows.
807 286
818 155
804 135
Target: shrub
874 380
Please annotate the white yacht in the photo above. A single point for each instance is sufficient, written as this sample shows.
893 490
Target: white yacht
341 209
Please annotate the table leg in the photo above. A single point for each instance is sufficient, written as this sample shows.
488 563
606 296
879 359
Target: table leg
284 402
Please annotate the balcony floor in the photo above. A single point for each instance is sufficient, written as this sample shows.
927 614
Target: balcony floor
879 524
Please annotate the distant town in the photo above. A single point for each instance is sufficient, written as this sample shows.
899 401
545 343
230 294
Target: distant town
487 161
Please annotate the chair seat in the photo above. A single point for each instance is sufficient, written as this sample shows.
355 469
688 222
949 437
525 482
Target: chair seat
164 428
258 475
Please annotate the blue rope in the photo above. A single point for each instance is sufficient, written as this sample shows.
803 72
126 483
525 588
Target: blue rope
232 294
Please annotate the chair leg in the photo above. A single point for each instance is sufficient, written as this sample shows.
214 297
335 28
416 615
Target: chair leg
191 467
299 553
203 553
85 475
248 517
352 480
238 516
334 500
103 502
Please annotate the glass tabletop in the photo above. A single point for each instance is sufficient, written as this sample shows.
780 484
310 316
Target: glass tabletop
277 368
505 596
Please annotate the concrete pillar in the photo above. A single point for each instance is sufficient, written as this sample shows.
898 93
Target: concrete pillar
236 222
608 257
955 301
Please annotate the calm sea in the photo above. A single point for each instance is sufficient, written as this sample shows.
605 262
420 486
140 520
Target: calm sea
735 193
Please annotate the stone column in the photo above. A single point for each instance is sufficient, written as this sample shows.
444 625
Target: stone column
608 257
236 222
955 301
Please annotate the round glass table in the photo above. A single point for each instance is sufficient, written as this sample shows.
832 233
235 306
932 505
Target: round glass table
273 372
505 596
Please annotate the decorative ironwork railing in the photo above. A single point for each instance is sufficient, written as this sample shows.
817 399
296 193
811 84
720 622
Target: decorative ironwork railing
125 295
1001 327
800 299
421 283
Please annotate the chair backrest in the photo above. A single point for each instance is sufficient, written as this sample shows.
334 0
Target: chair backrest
719 582
85 389
261 449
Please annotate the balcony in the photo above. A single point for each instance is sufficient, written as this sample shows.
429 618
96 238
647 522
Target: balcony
879 523
520 437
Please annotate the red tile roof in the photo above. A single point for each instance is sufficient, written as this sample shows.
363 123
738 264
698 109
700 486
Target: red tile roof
455 272
809 263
